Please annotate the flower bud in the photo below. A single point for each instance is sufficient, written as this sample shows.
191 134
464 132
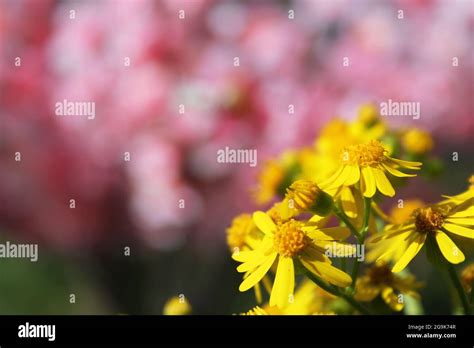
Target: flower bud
307 196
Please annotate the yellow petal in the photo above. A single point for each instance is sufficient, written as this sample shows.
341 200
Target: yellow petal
263 222
463 213
396 172
327 272
258 293
332 179
462 221
410 253
343 176
459 230
390 249
353 175
348 202
245 256
368 182
450 251
391 233
383 184
313 253
284 284
252 263
330 233
258 274
406 164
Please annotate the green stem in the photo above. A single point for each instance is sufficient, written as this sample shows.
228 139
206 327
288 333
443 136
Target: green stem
365 226
361 238
354 273
457 284
336 292
340 214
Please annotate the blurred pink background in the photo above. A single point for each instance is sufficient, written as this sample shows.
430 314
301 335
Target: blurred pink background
190 61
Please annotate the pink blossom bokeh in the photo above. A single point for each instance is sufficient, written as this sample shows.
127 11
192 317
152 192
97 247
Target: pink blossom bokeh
190 61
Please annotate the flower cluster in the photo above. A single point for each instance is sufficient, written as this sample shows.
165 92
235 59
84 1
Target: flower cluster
326 213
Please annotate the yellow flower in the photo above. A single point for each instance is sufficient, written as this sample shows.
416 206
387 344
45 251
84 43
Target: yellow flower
368 124
276 176
467 277
309 299
368 114
316 166
285 243
379 280
333 137
401 243
307 196
368 164
242 233
177 306
417 141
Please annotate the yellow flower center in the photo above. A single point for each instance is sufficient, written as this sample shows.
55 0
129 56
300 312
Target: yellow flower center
380 274
428 220
369 154
289 239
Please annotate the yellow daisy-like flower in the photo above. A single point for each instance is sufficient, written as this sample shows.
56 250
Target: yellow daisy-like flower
242 233
417 141
368 164
276 176
368 124
401 243
309 299
285 243
333 137
379 280
316 166
307 196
